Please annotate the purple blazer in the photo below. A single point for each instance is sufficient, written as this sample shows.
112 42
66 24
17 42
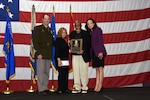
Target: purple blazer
97 42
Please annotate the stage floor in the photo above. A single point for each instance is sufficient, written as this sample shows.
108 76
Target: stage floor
130 93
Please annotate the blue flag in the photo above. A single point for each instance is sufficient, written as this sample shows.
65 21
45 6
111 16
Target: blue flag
8 49
54 38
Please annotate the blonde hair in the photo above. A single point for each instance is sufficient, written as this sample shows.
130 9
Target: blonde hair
60 31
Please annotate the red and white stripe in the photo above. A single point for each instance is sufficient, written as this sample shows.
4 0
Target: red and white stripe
126 31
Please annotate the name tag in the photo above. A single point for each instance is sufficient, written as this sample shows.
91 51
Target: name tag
65 63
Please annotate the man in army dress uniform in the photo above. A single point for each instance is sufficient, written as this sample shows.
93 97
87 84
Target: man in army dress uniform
42 41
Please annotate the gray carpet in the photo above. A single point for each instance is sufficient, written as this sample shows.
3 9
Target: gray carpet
138 93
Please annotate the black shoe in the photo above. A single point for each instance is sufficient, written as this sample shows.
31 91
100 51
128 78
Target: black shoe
43 93
101 90
98 92
47 91
68 91
59 92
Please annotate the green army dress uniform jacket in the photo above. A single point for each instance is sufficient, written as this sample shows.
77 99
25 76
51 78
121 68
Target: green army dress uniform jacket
42 41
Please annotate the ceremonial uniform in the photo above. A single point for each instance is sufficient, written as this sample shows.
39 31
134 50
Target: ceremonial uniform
42 41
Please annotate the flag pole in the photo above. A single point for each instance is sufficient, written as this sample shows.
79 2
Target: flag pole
31 84
7 91
32 50
70 30
53 89
31 87
32 81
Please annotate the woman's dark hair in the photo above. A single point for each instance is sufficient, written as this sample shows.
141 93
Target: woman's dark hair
86 26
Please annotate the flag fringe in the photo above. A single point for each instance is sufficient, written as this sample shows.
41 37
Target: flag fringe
54 68
10 77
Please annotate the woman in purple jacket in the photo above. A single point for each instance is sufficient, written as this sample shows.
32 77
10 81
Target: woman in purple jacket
98 51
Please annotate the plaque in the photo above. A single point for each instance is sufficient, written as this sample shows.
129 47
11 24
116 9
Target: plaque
76 45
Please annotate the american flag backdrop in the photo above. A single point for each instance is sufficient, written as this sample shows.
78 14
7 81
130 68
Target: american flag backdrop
126 32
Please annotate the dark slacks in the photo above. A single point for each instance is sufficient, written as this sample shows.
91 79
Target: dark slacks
63 78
